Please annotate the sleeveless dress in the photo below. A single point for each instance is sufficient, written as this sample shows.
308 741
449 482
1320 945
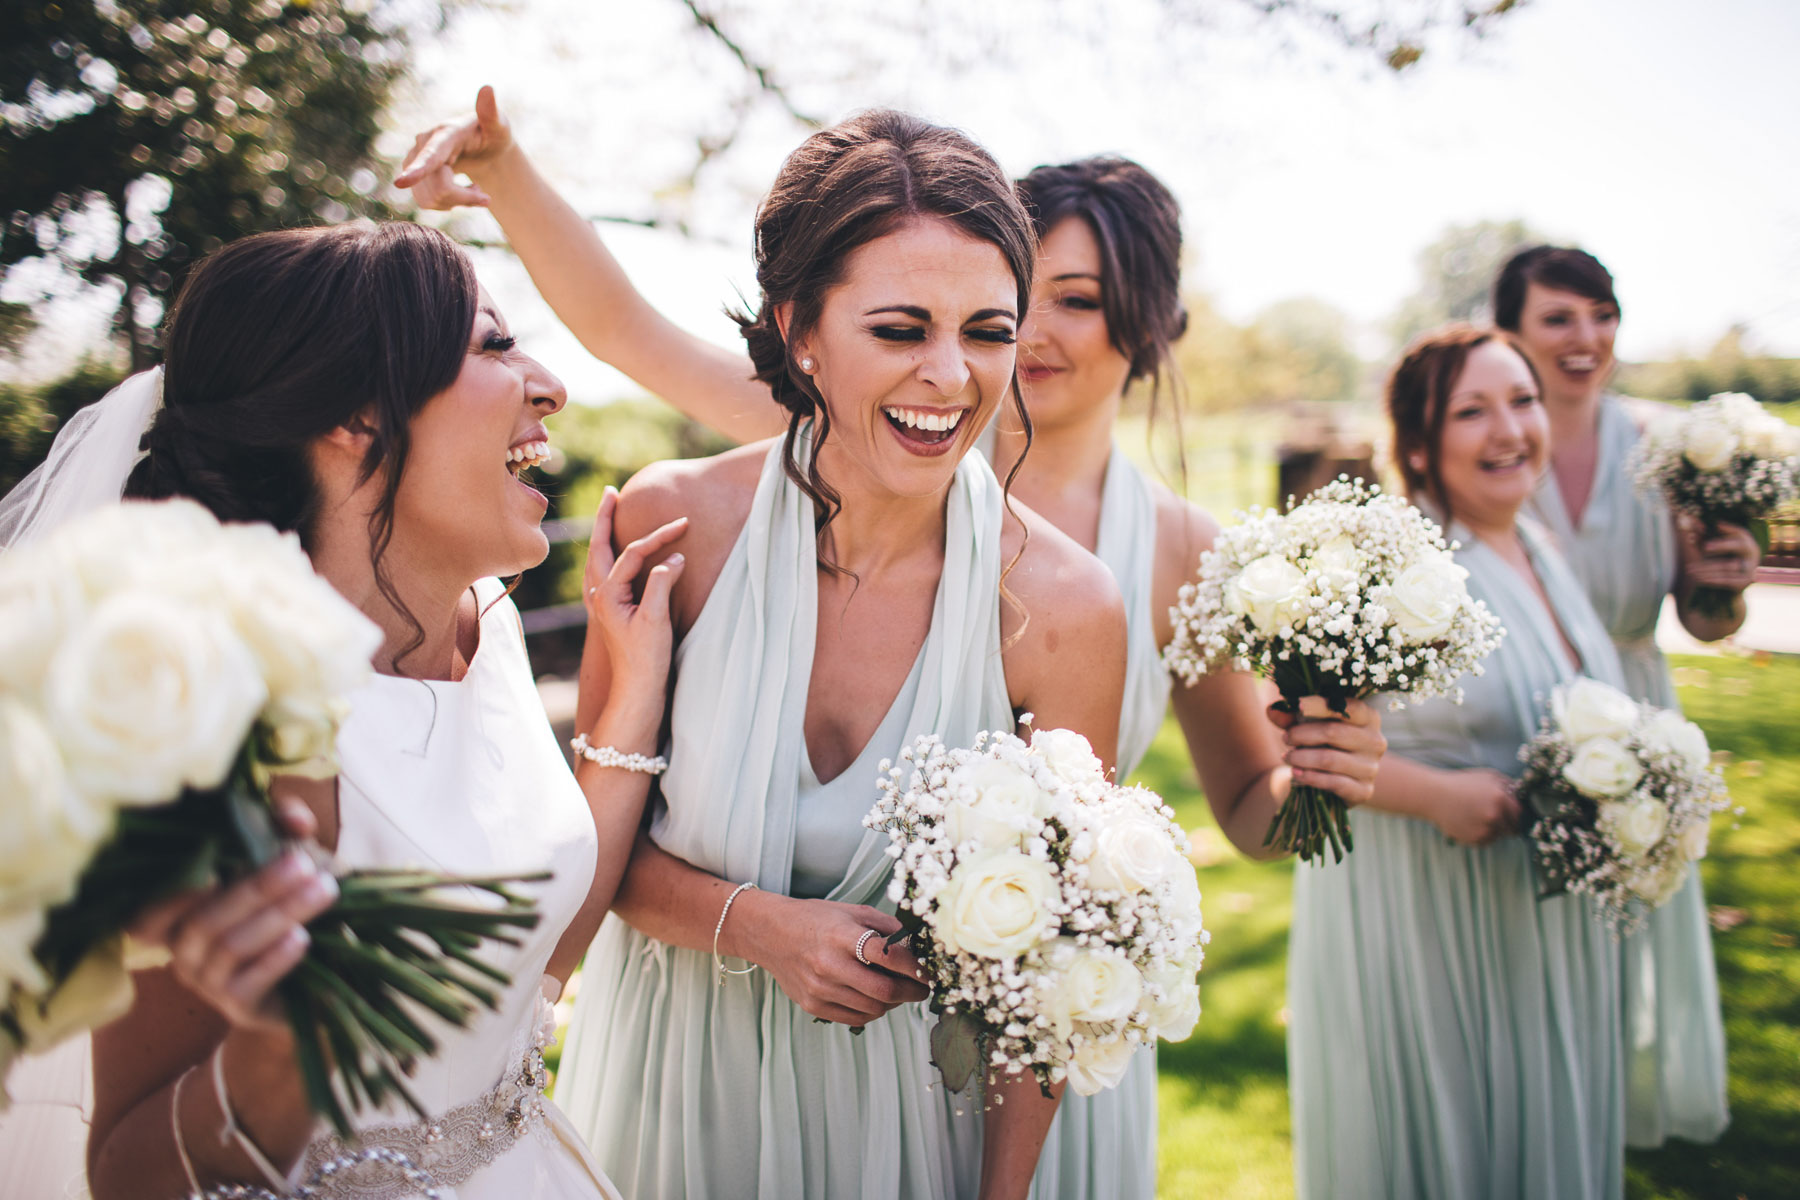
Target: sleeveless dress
466 777
1624 554
1103 1147
1451 1035
687 1086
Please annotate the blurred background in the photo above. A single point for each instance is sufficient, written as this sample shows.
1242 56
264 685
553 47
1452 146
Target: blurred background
1352 172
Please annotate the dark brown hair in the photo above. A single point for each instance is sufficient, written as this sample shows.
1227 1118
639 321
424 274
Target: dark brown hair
843 188
1418 394
1561 267
281 337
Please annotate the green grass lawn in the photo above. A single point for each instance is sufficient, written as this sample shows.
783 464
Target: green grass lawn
1224 1091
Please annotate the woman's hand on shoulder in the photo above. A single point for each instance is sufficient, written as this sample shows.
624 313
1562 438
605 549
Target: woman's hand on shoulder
631 603
1334 752
442 151
1478 806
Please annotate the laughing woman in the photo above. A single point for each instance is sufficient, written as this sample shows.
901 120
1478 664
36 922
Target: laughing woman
850 586
1453 1035
1629 553
1105 310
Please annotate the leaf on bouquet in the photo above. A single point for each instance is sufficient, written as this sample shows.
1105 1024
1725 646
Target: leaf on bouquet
956 1048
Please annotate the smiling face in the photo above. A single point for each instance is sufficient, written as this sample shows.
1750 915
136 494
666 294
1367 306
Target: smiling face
913 351
1495 433
461 502
1570 340
1068 364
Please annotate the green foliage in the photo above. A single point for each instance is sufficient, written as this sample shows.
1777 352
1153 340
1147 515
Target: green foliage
1456 275
1727 367
1295 351
31 415
142 134
1223 1092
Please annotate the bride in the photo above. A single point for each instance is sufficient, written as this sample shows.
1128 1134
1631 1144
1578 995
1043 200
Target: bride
355 385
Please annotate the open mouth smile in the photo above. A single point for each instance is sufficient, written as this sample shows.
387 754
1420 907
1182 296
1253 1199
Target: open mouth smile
924 430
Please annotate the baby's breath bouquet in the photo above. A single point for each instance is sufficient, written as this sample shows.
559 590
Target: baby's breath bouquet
1350 593
1726 459
1622 796
1056 915
157 668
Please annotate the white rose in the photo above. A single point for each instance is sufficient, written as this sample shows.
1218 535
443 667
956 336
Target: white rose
1680 736
51 830
1602 768
151 695
1656 886
1182 908
40 601
1068 755
121 545
97 991
995 905
1270 590
301 736
1692 840
1426 597
1636 825
1095 987
20 929
313 644
1005 806
1588 708
1339 556
1177 1010
1709 443
1100 1065
1770 438
1131 854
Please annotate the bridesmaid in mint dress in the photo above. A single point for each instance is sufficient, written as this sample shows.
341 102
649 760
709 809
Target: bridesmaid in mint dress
1452 1035
1628 554
848 587
1105 311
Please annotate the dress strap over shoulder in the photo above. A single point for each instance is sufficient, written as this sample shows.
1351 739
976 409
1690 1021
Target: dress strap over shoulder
1127 545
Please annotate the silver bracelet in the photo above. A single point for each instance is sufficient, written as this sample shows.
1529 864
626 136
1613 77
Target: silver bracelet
233 1132
607 756
717 961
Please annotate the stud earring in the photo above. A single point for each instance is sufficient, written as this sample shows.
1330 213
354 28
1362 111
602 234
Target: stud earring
806 364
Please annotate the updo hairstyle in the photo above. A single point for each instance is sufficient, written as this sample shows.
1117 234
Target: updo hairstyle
1561 267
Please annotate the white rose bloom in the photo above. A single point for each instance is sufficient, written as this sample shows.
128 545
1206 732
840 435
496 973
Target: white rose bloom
1602 768
1100 1065
150 695
1692 840
1068 755
1131 854
1684 738
119 545
97 991
995 905
51 830
1339 556
40 600
1709 443
1094 987
1636 825
302 736
1006 804
1426 597
1588 708
1657 886
1174 1016
1183 905
1771 438
1271 591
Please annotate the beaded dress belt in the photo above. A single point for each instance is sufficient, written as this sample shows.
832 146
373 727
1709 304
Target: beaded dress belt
447 1150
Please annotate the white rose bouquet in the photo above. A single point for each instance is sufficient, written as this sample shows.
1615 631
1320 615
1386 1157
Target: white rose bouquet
1056 915
156 669
1350 593
1726 459
1621 796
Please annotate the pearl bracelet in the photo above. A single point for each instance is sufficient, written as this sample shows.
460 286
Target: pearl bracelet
607 756
717 961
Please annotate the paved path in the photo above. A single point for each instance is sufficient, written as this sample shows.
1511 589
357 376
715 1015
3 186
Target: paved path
1773 624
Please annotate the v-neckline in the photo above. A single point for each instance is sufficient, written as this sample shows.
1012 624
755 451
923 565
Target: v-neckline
1576 523
907 687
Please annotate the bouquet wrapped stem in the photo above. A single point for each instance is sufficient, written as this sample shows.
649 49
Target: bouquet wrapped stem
1310 818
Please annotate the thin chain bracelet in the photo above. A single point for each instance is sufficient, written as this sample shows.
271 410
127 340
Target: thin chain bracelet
608 756
717 961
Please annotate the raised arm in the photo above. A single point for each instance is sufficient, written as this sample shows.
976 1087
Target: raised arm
581 279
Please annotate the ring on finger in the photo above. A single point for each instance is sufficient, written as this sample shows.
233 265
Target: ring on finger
860 943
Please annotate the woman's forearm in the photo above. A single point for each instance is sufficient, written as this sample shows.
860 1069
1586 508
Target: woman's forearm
1014 1126
592 295
1411 789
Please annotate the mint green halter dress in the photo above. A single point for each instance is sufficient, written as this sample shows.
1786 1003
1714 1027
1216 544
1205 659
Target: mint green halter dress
688 1087
1450 1034
1624 554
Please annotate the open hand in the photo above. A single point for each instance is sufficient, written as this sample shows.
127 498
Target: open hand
638 632
439 153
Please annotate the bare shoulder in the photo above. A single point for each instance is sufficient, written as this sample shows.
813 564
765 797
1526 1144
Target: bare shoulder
1053 577
714 494
1184 531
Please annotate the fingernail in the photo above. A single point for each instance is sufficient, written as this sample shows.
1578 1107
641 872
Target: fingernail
674 560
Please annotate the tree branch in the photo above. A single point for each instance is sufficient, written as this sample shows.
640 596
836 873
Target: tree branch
764 78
